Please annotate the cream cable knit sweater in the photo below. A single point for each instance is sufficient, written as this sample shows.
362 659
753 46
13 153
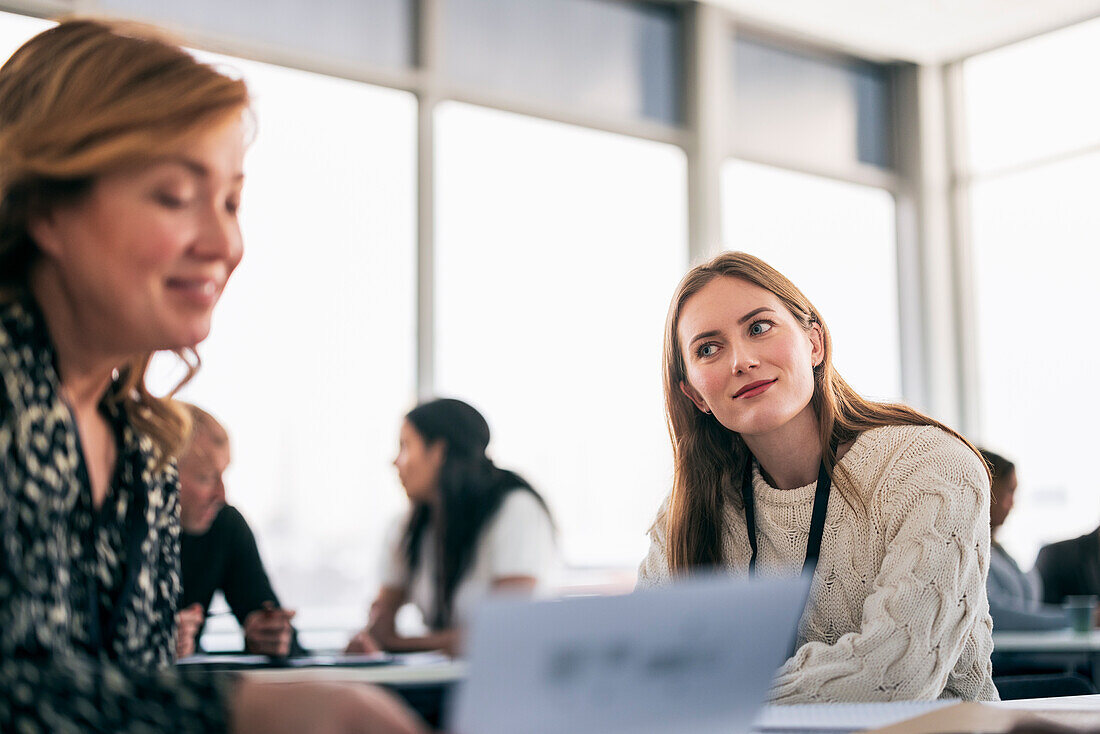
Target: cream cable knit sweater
897 609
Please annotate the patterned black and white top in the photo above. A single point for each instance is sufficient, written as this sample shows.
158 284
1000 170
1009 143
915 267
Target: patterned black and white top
87 597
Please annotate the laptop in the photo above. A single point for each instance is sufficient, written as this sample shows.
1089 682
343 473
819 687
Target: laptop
694 656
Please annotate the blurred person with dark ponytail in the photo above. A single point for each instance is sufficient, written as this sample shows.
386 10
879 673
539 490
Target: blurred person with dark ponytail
473 529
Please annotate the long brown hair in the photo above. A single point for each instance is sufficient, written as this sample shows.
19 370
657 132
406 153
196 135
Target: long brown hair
80 100
709 459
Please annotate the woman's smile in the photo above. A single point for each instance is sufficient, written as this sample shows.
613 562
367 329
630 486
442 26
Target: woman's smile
754 388
199 291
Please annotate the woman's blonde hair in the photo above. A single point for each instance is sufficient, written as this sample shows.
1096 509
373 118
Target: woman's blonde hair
204 424
709 459
83 99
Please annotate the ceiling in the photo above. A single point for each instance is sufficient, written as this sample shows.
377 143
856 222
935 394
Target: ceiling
925 31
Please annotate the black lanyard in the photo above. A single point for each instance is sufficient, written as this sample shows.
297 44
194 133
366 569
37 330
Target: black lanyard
817 521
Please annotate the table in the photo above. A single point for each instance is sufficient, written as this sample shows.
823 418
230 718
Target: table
424 680
848 718
1060 647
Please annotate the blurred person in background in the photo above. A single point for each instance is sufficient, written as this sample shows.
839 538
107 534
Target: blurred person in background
121 169
1015 598
473 529
219 553
1070 568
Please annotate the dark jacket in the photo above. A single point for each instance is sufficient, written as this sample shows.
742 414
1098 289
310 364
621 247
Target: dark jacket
1070 567
226 558
1014 597
87 595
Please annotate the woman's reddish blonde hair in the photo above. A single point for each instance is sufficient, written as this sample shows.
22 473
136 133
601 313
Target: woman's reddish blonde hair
83 99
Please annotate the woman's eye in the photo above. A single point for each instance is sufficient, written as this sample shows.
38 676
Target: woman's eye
169 200
760 327
707 350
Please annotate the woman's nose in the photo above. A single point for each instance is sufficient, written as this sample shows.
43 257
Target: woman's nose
742 360
220 238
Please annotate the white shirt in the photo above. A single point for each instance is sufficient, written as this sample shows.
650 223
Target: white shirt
516 541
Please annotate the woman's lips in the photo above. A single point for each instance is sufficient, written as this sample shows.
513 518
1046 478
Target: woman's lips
753 389
199 291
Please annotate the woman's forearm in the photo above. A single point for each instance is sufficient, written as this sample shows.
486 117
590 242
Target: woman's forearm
390 641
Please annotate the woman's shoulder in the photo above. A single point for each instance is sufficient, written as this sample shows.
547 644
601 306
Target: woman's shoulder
921 457
887 443
519 540
520 505
26 354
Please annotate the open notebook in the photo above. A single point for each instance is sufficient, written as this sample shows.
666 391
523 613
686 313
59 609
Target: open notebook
697 656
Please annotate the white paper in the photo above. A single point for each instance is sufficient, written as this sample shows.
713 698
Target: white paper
697 656
841 716
242 659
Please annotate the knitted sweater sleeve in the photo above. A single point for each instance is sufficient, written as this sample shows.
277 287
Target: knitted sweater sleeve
930 508
653 570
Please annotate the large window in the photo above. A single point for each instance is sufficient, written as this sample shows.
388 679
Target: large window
558 249
1033 100
378 33
837 242
1033 137
618 59
310 364
811 109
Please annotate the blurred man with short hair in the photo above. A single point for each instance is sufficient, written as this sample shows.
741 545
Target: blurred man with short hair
218 551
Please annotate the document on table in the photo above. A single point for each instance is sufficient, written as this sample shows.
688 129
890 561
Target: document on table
696 656
242 659
840 717
343 659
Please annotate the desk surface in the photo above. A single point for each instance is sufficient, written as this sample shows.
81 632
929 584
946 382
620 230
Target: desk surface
437 673
401 669
1085 703
1053 641
841 718
413 673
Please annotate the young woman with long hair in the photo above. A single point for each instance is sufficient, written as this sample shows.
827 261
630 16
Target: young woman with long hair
780 466
473 529
121 167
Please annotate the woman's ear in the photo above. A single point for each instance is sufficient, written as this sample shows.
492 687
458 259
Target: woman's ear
817 344
694 396
437 452
43 229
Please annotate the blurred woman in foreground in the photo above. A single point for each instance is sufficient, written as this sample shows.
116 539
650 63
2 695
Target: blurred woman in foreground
120 179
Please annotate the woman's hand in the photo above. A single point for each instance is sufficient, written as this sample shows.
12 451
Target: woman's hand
451 642
319 708
188 622
362 643
267 631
